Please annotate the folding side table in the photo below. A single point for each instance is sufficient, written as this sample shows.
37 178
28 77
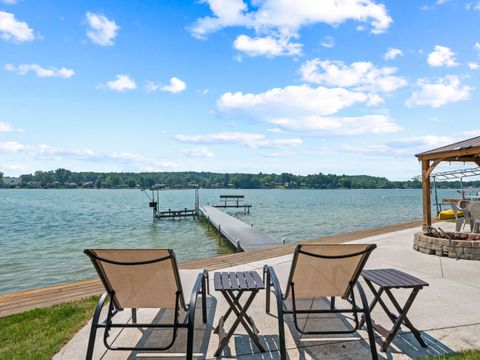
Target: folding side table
386 280
233 285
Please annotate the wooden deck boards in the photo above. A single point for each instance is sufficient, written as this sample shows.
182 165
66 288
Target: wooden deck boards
17 302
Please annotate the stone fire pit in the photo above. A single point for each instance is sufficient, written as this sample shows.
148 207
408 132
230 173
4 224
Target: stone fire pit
462 246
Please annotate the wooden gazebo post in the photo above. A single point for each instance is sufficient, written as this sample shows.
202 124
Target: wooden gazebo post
463 151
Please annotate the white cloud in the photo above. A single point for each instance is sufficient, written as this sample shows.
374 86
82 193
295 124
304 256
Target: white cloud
275 22
197 152
290 16
473 6
473 66
471 133
176 86
48 152
328 42
360 75
14 30
121 83
442 56
422 142
292 100
251 140
368 124
44 72
6 127
476 46
393 53
10 2
102 31
440 92
268 46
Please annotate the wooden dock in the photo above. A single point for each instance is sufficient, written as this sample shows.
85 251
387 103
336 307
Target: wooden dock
243 236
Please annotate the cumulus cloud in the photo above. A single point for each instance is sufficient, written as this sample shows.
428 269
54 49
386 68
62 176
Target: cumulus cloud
14 30
44 72
268 46
10 2
437 93
282 20
476 46
251 140
197 152
473 66
7 127
442 56
292 100
356 125
175 86
102 31
121 83
359 75
393 53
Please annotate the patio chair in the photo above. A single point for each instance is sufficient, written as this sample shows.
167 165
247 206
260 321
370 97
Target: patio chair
459 221
146 278
320 270
464 205
475 214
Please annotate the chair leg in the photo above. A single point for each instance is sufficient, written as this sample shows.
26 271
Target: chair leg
93 330
368 322
190 342
204 299
332 303
267 294
281 331
134 315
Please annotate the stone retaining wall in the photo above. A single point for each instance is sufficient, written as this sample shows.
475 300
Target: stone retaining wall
458 249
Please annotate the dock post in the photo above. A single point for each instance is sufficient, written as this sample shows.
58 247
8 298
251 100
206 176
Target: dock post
238 245
219 233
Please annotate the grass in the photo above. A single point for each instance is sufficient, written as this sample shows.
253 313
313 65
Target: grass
466 355
40 333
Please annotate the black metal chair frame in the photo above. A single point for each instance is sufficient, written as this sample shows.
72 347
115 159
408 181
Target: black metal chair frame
272 280
201 286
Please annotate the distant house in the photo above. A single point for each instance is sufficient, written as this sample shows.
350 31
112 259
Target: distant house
34 185
70 185
88 185
53 185
11 181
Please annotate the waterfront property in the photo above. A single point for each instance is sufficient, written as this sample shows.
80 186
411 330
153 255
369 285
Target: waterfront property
443 312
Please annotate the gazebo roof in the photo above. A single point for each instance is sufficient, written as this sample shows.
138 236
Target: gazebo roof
466 150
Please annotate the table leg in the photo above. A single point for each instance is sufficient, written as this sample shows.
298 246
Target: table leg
229 311
376 296
401 317
404 311
240 319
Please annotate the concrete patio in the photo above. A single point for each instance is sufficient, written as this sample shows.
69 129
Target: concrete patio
446 312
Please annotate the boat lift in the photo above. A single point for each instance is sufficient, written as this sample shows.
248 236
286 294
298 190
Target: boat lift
154 198
453 175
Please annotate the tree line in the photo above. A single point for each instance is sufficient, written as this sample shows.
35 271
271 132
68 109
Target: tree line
65 178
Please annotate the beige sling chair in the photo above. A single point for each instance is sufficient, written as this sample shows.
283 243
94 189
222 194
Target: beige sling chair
320 270
146 278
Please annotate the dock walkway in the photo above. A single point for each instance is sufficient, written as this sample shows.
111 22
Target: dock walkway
242 236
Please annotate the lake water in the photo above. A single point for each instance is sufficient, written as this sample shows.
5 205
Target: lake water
43 232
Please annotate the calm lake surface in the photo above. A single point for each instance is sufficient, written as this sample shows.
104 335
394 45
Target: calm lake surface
43 232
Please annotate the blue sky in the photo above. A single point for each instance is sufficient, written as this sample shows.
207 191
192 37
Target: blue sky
305 86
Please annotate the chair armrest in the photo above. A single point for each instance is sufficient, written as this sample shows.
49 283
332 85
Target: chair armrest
274 280
193 297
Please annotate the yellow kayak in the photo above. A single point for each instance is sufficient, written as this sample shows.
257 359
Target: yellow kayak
448 214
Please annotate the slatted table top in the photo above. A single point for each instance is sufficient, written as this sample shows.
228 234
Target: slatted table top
392 278
244 280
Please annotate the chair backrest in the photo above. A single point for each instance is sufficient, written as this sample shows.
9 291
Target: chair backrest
327 269
464 205
475 211
455 210
138 278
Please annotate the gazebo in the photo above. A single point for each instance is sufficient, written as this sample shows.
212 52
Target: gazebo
462 151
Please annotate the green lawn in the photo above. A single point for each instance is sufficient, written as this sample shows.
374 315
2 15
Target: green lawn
467 355
40 333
